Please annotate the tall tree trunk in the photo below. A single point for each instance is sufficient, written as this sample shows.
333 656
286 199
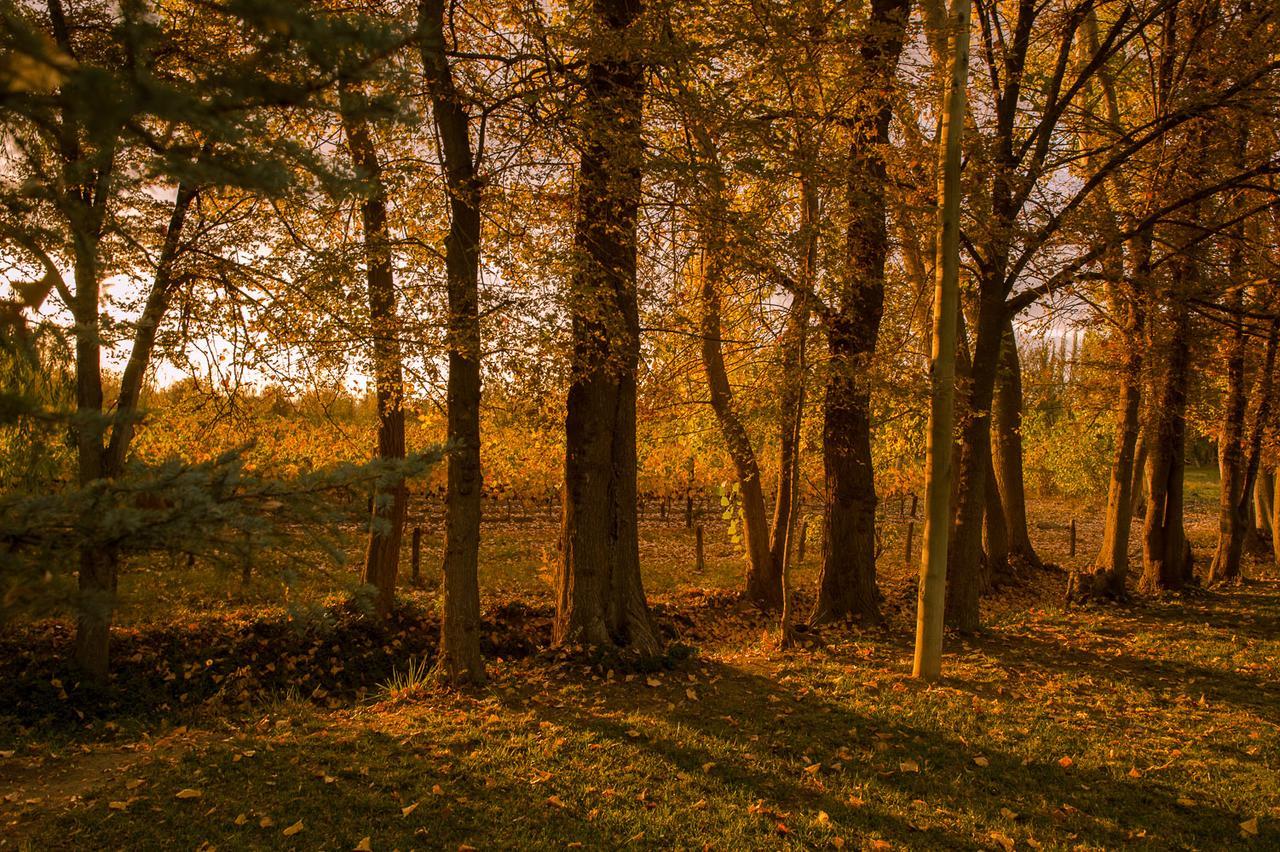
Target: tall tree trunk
927 663
763 587
600 597
460 660
1006 451
1231 493
786 507
964 562
1112 562
1166 555
847 580
1248 459
382 557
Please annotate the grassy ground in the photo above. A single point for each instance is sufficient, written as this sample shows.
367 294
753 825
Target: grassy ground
1155 725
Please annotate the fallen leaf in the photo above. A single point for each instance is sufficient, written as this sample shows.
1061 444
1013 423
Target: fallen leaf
296 828
188 793
981 761
1249 828
908 765
365 845
1004 841
241 819
408 809
118 806
555 801
266 822
1066 762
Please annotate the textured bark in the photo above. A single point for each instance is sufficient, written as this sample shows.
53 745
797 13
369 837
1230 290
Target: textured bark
763 587
600 597
460 660
847 580
1232 496
996 568
386 527
1234 524
1006 452
1112 562
786 506
1166 555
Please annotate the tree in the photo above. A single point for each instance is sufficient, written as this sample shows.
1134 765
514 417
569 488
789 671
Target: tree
599 593
938 477
460 659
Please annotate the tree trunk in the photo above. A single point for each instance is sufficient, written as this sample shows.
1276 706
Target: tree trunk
460 660
927 663
1112 563
763 587
600 597
996 569
847 579
1006 451
1232 496
1166 555
786 507
382 557
1247 459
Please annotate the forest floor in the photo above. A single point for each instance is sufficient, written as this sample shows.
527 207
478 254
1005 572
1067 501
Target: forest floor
1154 724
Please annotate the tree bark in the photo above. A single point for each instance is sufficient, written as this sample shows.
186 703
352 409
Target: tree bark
460 660
786 507
996 570
763 588
1166 555
927 662
386 528
1112 562
847 579
600 597
1234 529
1231 493
1006 451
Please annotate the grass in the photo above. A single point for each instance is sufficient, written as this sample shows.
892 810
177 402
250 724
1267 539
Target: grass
1154 725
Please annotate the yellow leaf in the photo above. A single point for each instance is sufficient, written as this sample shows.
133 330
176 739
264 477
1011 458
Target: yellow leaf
133 783
908 765
266 822
1066 762
555 801
365 845
188 793
981 761
823 818
408 809
296 828
241 819
118 806
1249 827
813 770
1004 841
837 842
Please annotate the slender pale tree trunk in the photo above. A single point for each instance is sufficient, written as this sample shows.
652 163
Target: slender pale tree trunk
847 580
933 564
386 528
600 597
460 660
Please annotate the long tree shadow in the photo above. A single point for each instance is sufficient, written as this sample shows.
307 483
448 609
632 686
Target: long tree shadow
1095 806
